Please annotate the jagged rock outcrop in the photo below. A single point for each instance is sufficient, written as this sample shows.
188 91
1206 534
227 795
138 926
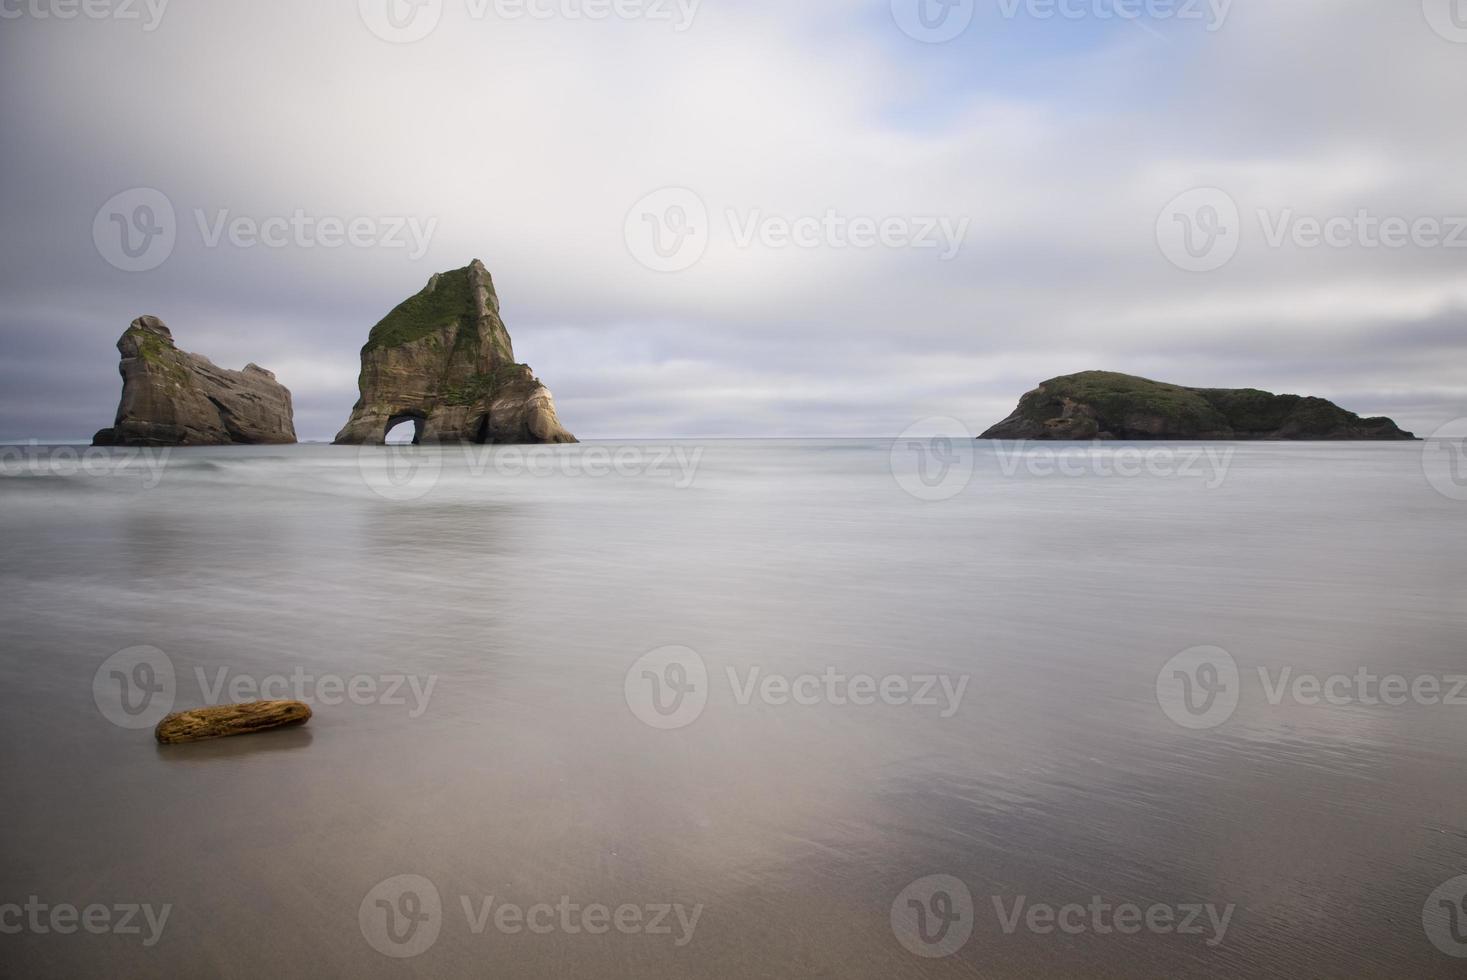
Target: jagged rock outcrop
1106 405
443 360
173 398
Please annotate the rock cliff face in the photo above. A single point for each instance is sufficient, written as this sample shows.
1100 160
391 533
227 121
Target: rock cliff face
173 398
1105 405
443 361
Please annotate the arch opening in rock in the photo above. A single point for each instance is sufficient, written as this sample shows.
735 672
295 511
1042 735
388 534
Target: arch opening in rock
396 433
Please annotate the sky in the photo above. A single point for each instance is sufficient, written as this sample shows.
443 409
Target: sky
722 218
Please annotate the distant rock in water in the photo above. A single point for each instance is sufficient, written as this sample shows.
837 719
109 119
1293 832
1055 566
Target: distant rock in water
443 361
1106 405
173 398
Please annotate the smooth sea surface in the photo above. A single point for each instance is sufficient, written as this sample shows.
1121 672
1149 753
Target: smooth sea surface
509 736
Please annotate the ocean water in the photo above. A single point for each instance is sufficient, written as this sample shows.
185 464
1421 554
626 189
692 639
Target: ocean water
738 709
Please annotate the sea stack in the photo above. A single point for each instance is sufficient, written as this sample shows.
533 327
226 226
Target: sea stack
173 398
443 361
1106 405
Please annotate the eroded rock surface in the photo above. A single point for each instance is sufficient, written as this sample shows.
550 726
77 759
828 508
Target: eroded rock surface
173 398
443 361
1106 405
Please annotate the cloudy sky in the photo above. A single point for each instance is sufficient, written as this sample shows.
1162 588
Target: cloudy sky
745 217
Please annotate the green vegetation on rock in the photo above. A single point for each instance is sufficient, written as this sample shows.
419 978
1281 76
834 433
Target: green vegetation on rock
1109 405
444 302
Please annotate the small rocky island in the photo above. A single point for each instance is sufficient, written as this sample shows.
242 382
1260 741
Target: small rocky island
1107 405
442 360
173 398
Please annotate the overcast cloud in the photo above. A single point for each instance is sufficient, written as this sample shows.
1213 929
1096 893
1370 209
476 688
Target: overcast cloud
1055 143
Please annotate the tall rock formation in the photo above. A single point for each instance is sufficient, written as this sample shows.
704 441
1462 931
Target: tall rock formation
173 398
1106 405
443 360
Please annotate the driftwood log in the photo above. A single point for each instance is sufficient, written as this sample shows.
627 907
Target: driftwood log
224 720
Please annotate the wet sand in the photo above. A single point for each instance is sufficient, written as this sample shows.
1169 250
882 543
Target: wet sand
524 774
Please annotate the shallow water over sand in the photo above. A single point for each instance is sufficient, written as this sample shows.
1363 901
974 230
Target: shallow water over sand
513 756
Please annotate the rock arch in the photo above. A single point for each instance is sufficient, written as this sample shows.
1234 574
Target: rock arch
444 359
